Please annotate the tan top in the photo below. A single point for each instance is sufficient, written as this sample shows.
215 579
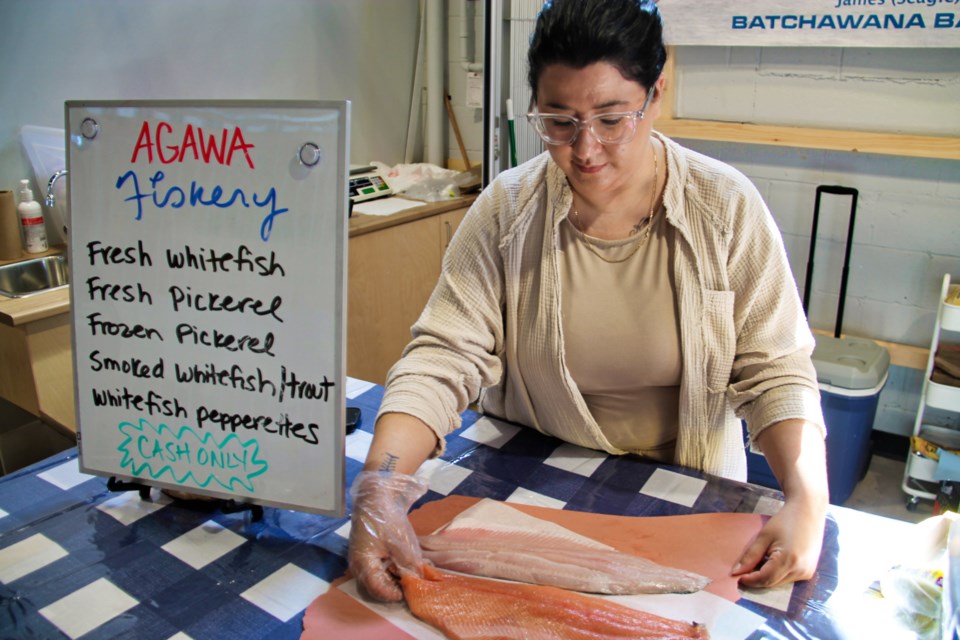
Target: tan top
621 335
491 330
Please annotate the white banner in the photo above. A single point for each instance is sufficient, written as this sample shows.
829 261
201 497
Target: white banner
841 23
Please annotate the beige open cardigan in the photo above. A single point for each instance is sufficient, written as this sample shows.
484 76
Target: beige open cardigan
491 330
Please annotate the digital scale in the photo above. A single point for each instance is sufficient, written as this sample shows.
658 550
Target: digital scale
366 184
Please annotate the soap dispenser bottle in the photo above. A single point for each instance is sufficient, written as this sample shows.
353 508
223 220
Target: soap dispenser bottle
31 219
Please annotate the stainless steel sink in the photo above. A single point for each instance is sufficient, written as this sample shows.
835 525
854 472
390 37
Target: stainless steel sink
30 277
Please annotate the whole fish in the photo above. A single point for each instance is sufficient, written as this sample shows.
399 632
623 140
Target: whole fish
468 608
555 560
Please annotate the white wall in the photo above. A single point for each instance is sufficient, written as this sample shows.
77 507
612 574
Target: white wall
58 50
908 218
873 89
469 119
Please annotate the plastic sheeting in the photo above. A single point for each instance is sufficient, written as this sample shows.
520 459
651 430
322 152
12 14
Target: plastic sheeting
173 566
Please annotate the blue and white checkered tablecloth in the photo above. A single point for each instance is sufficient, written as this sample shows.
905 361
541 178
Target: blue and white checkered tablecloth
78 560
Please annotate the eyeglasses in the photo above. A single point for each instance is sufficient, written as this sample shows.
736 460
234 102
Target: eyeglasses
618 127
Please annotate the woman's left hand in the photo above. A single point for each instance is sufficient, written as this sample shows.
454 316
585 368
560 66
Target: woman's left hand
787 549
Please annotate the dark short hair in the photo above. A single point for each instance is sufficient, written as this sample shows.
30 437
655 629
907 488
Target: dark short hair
627 34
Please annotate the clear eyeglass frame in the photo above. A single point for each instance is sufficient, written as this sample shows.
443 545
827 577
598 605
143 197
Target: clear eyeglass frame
623 130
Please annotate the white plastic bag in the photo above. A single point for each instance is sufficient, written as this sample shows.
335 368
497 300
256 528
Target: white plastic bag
422 181
913 588
404 177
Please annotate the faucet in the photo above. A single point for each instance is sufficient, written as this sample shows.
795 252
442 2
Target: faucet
50 200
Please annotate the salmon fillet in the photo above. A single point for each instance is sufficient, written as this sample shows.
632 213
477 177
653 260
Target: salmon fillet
546 559
468 608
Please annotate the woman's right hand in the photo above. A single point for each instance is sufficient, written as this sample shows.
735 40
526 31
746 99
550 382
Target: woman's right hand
382 541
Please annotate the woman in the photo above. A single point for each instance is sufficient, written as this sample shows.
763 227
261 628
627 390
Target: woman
618 291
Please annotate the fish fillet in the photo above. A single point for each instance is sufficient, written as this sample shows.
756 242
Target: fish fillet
468 608
548 559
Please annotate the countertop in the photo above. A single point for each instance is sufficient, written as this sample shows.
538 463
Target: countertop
361 224
20 311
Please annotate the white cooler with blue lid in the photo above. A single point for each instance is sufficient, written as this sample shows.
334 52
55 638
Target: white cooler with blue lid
851 373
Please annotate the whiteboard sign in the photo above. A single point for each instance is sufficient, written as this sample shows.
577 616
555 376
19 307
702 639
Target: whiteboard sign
837 23
208 266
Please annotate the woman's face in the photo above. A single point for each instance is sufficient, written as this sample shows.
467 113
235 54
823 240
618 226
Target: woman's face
593 168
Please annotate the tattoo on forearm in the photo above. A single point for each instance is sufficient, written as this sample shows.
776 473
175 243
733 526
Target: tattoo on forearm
389 462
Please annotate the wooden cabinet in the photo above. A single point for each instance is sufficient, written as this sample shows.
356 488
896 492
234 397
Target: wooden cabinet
38 369
36 353
393 267
448 226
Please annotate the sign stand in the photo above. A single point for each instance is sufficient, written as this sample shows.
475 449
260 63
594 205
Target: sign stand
118 486
232 506
225 506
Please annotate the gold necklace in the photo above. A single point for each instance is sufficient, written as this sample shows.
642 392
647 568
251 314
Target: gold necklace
646 222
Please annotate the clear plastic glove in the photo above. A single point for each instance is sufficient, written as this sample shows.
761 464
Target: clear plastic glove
382 540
